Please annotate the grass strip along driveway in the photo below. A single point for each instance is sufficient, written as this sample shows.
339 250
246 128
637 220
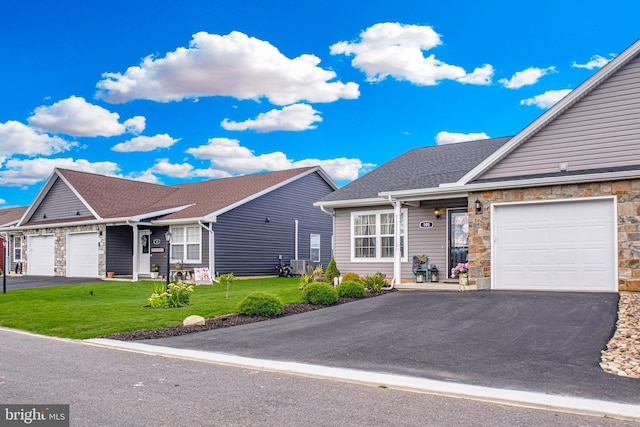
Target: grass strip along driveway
102 308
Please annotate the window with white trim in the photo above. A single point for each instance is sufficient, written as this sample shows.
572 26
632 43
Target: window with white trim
314 247
373 235
186 244
17 248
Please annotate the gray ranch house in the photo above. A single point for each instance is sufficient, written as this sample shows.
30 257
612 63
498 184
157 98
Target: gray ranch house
555 207
87 225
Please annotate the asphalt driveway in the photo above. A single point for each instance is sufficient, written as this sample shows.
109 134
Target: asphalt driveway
535 341
26 282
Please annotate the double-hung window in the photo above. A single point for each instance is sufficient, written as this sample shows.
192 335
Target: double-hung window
186 244
314 247
373 235
17 248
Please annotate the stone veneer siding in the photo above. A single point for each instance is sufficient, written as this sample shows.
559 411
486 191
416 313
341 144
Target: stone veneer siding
627 193
60 246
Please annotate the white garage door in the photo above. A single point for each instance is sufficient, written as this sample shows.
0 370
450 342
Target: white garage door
563 246
82 255
41 256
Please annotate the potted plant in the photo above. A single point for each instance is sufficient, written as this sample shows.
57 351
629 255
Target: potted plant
318 273
461 271
154 271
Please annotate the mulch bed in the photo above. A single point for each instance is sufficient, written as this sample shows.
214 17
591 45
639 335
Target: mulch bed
225 321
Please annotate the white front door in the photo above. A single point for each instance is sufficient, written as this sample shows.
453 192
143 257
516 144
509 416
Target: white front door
567 245
144 252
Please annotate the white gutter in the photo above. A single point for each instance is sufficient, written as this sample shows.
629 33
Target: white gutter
462 190
323 209
212 250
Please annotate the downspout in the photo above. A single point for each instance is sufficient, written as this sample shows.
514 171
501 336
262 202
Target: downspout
135 250
295 237
333 227
397 258
212 250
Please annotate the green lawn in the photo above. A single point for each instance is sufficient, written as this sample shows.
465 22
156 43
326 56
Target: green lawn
70 311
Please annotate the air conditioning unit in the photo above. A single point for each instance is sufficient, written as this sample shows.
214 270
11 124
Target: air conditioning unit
299 266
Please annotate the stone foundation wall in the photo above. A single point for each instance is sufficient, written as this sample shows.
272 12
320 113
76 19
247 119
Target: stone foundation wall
627 193
60 246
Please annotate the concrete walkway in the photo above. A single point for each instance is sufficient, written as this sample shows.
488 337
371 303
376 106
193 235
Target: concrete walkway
533 348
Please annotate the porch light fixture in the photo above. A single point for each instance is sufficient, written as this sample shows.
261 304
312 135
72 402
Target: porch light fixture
167 236
478 206
437 213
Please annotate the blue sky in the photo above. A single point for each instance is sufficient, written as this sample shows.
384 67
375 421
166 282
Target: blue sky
171 92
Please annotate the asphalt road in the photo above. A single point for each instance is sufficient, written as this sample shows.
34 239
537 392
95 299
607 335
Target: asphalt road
26 282
107 387
547 342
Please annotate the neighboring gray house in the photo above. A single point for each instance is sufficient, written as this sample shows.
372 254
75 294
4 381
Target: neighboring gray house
9 217
85 225
555 207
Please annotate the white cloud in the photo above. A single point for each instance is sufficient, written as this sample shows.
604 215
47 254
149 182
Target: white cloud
29 172
76 117
526 77
295 117
228 156
596 61
17 138
135 125
546 99
163 167
445 137
145 143
397 50
233 65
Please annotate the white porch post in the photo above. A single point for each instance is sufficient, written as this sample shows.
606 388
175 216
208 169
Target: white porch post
135 251
397 259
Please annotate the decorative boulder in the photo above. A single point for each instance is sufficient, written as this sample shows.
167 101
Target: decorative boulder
193 320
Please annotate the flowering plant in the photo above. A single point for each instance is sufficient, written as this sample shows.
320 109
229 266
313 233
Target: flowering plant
177 295
460 268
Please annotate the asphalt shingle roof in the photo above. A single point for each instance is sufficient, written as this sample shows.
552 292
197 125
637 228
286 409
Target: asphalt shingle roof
9 215
113 197
425 167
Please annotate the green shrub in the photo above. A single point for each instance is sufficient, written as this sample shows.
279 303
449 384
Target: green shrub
375 282
350 289
321 293
177 295
261 304
351 277
332 271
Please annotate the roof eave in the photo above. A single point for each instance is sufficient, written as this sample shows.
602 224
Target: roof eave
352 203
549 115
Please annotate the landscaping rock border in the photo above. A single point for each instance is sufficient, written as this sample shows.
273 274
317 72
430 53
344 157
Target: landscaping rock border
622 356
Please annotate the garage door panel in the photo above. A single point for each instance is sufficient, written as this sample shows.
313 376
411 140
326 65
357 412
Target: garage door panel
555 246
41 256
82 255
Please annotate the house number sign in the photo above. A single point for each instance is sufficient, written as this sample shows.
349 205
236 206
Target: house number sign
156 241
426 224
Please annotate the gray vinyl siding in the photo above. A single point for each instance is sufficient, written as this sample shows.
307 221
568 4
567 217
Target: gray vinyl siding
431 242
60 203
119 250
246 244
602 130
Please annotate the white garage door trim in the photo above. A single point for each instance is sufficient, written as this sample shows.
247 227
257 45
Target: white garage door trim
82 254
559 245
41 255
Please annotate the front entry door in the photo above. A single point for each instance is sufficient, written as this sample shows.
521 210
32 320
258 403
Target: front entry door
144 252
458 237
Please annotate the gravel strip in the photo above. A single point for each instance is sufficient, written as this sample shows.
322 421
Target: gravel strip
622 356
